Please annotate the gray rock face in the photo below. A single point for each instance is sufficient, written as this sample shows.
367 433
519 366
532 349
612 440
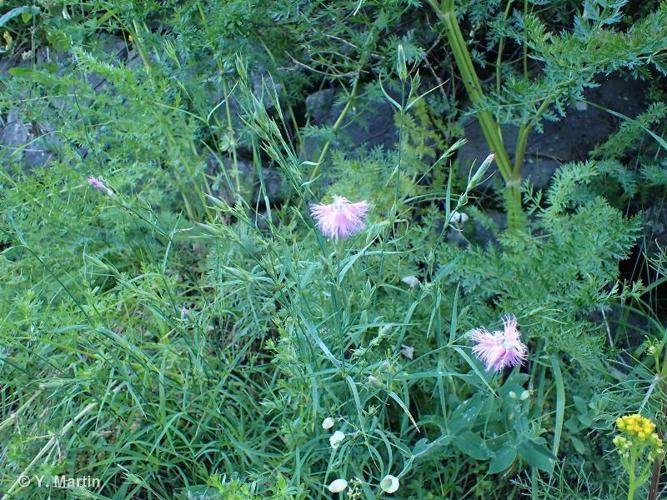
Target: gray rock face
20 143
249 181
364 127
485 232
567 140
35 145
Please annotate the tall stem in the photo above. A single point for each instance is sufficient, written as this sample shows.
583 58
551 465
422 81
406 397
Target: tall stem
447 14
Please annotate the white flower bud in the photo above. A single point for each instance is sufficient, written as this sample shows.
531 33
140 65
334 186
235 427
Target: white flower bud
407 351
389 484
337 486
336 438
525 395
411 281
328 423
459 218
401 66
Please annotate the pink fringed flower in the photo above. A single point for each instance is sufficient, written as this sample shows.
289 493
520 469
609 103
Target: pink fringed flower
99 185
499 349
340 219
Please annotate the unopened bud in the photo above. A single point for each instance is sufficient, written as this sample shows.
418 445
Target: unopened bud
401 66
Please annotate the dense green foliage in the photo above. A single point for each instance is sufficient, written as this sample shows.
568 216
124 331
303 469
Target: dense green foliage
185 333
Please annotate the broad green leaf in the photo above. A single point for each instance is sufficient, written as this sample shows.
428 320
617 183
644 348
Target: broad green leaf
463 417
503 460
424 446
537 455
473 445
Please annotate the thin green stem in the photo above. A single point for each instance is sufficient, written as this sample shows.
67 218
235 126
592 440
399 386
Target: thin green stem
501 48
490 128
525 41
522 138
632 482
400 147
353 93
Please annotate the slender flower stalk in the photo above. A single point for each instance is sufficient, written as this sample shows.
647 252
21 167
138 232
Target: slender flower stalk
639 447
500 349
340 219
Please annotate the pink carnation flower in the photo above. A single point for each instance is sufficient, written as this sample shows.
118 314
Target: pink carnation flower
341 218
499 349
99 185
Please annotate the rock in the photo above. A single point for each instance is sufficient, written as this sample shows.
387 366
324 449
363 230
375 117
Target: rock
19 142
249 181
15 133
273 184
364 127
265 88
568 140
486 231
655 238
118 51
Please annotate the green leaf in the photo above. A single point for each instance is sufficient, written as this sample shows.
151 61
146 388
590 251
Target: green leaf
404 407
33 71
463 417
473 445
537 455
26 12
503 460
578 445
424 446
474 367
560 402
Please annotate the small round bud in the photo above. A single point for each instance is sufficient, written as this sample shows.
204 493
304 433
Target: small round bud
337 486
328 423
336 438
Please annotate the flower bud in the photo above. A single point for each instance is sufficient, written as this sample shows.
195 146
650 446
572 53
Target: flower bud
401 66
411 281
337 486
328 423
389 484
336 438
